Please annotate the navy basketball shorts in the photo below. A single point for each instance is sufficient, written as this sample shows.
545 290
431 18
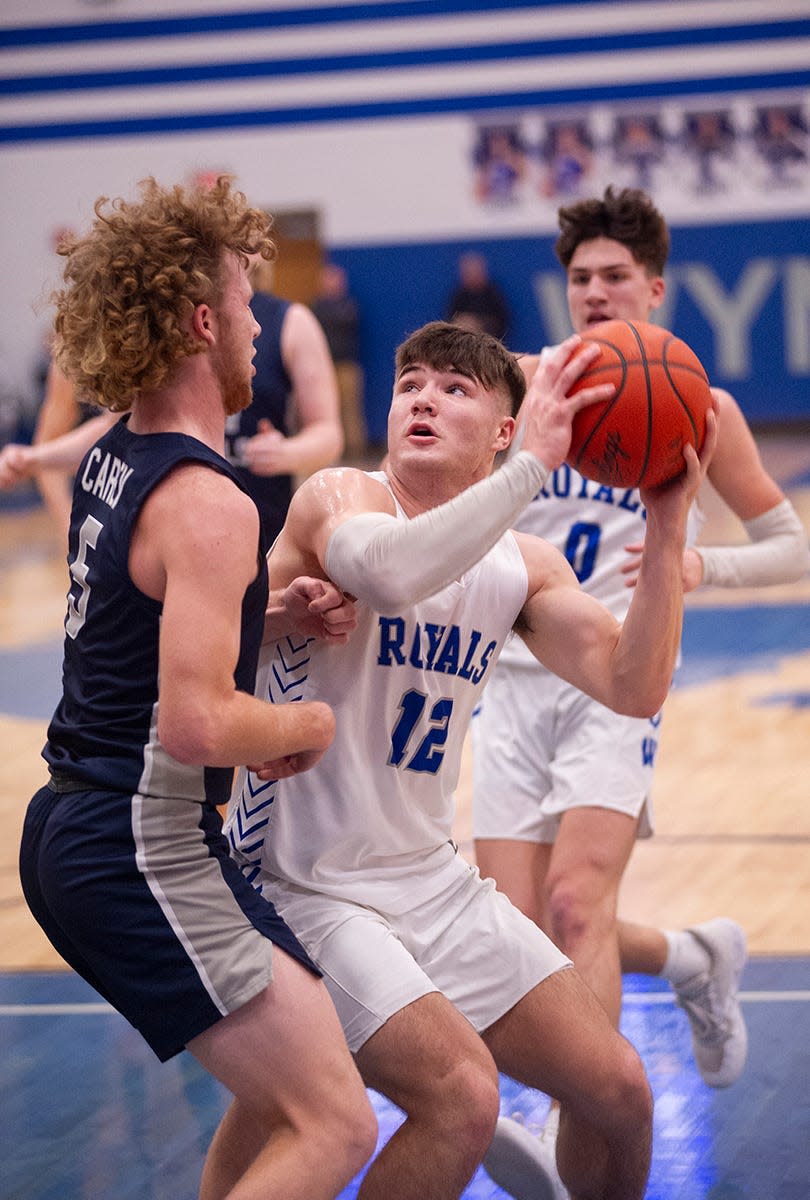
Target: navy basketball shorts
140 896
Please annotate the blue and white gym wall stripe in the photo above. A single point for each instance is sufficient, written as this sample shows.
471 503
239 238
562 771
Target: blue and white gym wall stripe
254 66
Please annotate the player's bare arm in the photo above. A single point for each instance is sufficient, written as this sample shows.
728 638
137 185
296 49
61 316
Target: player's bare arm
626 667
776 550
64 453
321 504
736 471
195 549
318 436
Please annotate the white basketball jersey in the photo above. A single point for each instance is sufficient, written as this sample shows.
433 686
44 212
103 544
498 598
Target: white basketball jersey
379 804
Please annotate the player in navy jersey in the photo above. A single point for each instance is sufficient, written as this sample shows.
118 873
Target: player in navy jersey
291 427
123 861
438 979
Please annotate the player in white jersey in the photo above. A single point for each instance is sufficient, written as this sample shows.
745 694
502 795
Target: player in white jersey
439 981
562 785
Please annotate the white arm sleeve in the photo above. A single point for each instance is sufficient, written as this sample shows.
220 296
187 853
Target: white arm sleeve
776 553
389 563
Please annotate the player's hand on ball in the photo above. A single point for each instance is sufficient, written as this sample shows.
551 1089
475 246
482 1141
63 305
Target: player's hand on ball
659 406
679 493
549 407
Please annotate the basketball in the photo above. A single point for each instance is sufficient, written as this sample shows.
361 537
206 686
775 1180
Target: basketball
637 437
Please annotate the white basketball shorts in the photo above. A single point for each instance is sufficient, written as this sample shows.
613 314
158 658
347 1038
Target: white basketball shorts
469 942
541 747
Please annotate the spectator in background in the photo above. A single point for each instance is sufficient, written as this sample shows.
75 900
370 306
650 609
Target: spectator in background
499 159
477 302
292 427
59 412
339 317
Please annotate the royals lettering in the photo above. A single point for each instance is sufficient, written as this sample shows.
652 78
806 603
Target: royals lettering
446 649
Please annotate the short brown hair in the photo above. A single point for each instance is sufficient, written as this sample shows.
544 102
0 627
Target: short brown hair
133 281
445 347
628 216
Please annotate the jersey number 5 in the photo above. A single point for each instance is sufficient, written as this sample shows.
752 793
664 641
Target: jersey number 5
77 609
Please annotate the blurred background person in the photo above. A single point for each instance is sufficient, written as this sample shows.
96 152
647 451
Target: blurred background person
476 301
292 427
339 317
60 412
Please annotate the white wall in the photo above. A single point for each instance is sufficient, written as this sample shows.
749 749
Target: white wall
385 180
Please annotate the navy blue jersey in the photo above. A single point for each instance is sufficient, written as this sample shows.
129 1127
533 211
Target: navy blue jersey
104 730
271 396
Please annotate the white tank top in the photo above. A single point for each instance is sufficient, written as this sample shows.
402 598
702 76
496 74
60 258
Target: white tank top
378 807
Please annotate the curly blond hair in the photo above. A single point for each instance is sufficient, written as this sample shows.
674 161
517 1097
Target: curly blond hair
132 283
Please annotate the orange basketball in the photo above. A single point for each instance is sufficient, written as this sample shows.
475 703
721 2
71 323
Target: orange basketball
637 437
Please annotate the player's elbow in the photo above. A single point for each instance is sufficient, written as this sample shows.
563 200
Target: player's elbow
190 736
646 707
635 697
322 725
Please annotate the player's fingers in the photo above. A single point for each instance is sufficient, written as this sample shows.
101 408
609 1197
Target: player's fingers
590 395
576 364
694 467
710 437
340 628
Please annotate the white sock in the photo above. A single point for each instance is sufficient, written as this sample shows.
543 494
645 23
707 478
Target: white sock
686 957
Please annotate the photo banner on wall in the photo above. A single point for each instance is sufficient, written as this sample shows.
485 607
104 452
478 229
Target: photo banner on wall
702 158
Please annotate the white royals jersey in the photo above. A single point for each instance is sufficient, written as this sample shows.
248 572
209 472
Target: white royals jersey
379 805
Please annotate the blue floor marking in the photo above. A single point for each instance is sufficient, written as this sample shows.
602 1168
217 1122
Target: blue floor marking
90 1114
722 642
31 679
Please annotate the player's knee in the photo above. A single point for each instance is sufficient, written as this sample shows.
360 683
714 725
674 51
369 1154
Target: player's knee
572 917
633 1102
469 1105
345 1134
356 1134
580 906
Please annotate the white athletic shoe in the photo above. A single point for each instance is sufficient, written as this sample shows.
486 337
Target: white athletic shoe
719 1036
523 1164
